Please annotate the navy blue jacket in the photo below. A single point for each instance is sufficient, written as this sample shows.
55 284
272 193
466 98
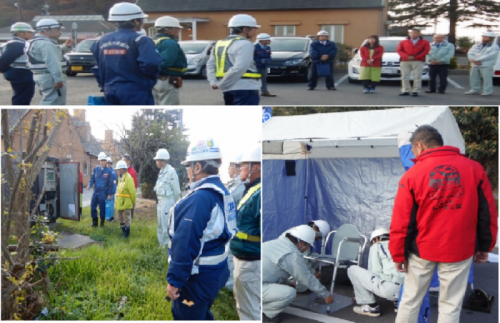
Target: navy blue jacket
317 50
10 53
125 61
262 56
103 180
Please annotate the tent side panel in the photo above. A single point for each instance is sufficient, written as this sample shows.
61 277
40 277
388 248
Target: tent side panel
282 197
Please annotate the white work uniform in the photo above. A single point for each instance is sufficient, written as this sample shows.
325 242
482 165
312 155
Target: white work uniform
46 61
280 260
482 75
381 278
240 54
312 265
168 192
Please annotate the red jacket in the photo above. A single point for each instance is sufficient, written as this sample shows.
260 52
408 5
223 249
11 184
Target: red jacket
81 183
377 56
132 173
419 50
443 207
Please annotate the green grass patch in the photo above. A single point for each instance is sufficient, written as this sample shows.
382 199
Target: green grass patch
85 289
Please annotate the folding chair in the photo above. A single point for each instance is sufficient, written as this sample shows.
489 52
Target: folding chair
347 250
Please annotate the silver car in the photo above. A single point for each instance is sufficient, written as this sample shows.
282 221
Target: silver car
197 53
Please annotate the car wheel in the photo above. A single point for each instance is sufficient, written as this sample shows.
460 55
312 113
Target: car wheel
305 76
351 80
203 72
71 73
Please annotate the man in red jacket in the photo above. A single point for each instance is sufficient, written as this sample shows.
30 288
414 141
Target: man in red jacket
412 52
126 158
444 215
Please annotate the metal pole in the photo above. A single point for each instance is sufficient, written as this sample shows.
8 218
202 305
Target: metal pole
194 31
306 190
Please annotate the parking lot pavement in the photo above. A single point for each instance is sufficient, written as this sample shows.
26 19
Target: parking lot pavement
198 92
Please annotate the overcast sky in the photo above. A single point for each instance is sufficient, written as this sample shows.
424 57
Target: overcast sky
236 128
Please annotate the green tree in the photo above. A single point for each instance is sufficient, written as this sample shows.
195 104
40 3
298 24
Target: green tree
421 13
152 130
464 43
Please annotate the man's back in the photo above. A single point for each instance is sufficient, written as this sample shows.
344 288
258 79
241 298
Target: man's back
443 205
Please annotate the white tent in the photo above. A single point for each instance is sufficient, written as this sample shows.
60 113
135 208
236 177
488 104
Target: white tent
341 167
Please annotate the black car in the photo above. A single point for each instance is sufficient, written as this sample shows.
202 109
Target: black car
290 57
80 60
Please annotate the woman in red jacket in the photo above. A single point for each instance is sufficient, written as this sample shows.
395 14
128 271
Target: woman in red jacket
371 63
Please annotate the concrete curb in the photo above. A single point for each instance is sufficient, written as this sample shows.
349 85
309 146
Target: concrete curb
450 72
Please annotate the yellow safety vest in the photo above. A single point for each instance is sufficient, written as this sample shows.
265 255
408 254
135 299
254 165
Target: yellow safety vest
221 59
242 235
122 182
177 69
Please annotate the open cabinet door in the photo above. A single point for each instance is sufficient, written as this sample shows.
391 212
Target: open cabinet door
69 195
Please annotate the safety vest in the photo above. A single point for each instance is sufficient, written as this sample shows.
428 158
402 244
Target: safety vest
20 62
176 69
34 64
242 235
230 220
122 184
222 62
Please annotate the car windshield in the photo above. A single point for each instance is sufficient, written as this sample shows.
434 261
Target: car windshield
193 48
389 45
84 45
288 45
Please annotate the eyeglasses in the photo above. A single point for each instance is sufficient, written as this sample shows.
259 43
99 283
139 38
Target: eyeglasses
187 166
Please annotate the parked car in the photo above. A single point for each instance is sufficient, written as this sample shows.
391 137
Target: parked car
496 68
390 62
197 53
80 60
290 57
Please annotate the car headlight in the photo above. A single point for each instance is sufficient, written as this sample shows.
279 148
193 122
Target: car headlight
357 61
293 62
196 60
66 57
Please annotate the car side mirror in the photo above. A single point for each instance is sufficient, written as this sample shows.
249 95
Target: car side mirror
355 51
208 52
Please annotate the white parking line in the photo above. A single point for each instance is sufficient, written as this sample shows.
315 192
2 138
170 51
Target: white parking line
314 316
455 84
342 79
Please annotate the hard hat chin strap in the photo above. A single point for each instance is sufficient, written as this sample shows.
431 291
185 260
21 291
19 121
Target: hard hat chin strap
251 172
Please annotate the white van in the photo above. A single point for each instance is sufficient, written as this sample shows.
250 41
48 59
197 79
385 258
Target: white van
390 62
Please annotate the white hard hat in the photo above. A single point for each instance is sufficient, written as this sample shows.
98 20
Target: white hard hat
125 11
167 21
21 27
48 23
323 33
488 34
323 227
121 165
242 20
163 154
102 156
263 36
142 32
378 233
109 160
206 149
237 158
253 154
304 233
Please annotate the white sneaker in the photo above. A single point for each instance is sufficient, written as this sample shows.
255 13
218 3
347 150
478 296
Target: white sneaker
367 310
485 94
471 92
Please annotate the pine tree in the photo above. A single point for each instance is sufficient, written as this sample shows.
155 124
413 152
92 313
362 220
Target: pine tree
422 13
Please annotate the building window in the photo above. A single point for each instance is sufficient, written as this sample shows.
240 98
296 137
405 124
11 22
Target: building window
85 169
284 30
151 31
336 32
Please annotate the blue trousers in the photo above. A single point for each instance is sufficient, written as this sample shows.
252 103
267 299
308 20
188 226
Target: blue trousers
205 287
23 92
241 97
313 76
98 199
130 97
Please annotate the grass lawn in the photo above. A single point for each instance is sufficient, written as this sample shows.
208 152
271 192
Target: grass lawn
85 289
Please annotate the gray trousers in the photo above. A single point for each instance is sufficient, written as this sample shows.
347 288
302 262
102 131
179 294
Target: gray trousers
263 78
409 68
50 95
275 298
366 285
165 93
481 77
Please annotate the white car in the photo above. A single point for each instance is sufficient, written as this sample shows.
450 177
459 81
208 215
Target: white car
496 68
390 62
